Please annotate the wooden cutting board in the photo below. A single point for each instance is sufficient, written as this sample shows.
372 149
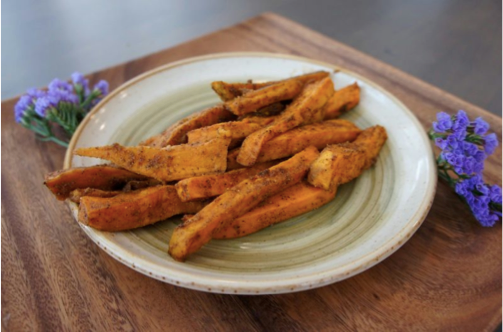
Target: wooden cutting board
448 276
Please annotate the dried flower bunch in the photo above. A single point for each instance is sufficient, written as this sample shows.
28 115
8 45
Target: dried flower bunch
465 146
62 104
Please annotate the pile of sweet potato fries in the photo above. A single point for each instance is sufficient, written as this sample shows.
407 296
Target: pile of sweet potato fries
233 169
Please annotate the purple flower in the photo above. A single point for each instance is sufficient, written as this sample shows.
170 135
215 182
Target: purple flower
441 143
461 188
453 142
469 149
21 107
42 105
64 96
480 126
478 168
25 102
490 143
454 159
461 122
52 99
35 93
480 156
59 85
102 87
444 122
79 79
482 188
469 165
495 194
479 197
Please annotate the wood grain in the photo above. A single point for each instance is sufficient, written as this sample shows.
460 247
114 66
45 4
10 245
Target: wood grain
447 277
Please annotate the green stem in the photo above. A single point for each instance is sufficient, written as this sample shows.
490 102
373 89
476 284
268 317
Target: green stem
53 139
445 176
94 94
58 141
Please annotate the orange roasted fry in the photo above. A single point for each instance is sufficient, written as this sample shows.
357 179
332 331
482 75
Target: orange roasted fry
371 140
338 164
207 186
342 101
78 193
135 209
168 164
104 177
229 91
285 145
255 99
238 200
237 129
301 110
291 202
177 133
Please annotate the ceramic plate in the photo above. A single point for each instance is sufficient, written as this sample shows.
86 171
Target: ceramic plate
368 220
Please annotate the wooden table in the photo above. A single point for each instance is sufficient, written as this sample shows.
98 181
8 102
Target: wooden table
448 276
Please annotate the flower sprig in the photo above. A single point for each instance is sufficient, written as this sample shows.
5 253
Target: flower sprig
465 146
63 104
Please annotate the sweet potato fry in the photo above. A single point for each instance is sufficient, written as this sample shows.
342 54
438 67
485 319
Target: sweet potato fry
177 133
285 145
238 129
338 164
228 91
291 202
92 192
253 100
371 141
302 109
135 209
104 177
168 164
342 101
192 235
207 186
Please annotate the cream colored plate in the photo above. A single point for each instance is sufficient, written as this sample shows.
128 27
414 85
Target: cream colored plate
369 219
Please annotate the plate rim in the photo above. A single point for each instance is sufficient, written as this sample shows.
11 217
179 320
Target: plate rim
292 284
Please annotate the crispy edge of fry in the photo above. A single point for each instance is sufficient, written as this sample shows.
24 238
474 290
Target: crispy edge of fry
306 105
177 133
342 101
256 99
134 209
206 186
76 194
294 201
105 177
167 164
192 235
319 134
